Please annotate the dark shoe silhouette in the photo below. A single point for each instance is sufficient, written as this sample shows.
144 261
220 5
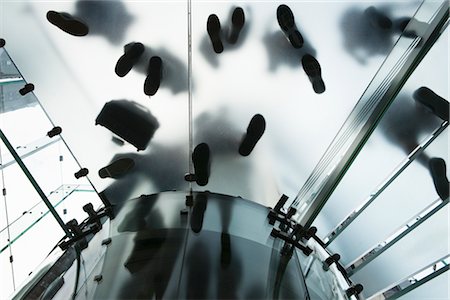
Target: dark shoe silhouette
198 212
68 23
225 251
255 131
314 72
286 21
438 171
237 23
54 132
377 19
117 168
27 88
438 105
200 158
154 76
213 28
83 172
132 53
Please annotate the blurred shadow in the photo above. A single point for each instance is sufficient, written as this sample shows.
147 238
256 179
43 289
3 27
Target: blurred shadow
230 277
281 52
109 19
161 166
406 123
372 31
218 132
198 271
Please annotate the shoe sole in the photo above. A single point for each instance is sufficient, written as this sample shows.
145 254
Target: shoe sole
438 172
237 23
200 159
117 168
153 80
67 23
213 28
435 103
286 21
255 130
129 59
313 70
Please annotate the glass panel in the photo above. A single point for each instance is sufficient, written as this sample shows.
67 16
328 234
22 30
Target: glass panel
437 288
262 74
86 81
360 123
427 243
403 127
411 192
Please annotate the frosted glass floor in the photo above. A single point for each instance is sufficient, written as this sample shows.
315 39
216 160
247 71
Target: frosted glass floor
74 77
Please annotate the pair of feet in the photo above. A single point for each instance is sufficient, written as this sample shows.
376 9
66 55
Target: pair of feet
310 64
201 154
132 53
215 32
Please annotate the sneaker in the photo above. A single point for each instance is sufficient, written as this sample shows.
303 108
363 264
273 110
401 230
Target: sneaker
83 172
213 28
198 212
153 80
438 105
314 72
438 172
54 132
200 158
286 21
27 88
255 130
237 23
132 53
377 19
117 168
68 23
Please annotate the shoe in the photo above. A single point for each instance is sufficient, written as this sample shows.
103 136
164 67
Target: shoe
198 212
255 130
438 172
438 105
83 172
314 72
200 159
27 88
68 23
153 80
132 53
377 19
117 168
237 23
213 28
54 132
286 21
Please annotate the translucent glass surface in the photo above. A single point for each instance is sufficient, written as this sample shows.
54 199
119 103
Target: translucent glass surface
74 78
404 126
261 73
435 289
411 192
427 243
